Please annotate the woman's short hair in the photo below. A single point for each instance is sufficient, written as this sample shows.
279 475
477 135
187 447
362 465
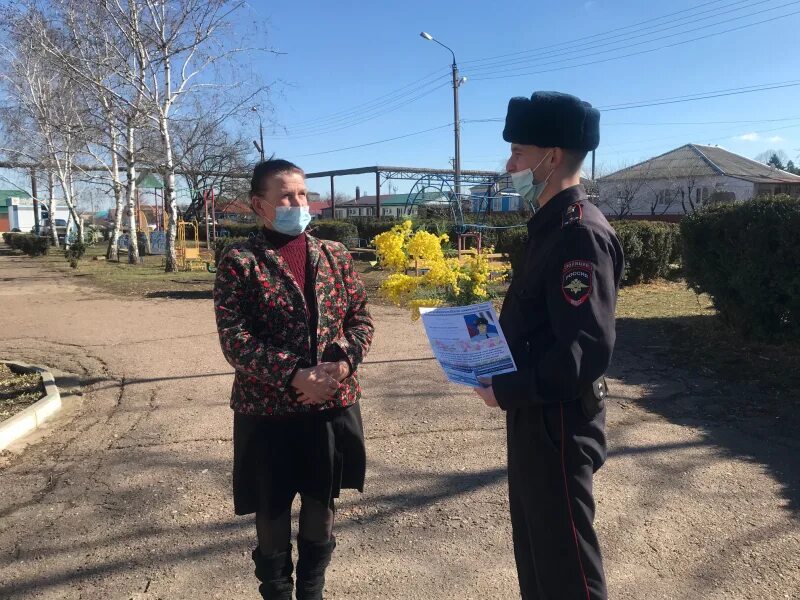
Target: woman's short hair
267 168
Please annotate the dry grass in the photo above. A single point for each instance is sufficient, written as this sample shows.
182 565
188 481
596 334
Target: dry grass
17 392
699 339
147 279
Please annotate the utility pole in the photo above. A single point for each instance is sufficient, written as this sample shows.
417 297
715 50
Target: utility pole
457 82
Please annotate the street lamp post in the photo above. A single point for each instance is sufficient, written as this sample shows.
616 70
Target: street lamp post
260 147
456 119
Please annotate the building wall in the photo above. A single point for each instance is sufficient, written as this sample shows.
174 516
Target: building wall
612 194
20 214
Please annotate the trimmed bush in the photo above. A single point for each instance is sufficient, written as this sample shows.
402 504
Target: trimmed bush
369 227
337 231
30 244
75 253
234 230
746 256
650 248
511 243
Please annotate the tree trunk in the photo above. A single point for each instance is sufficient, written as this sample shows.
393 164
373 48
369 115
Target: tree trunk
169 198
130 198
51 208
113 242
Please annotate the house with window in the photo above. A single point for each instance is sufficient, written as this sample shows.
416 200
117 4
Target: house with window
686 179
392 205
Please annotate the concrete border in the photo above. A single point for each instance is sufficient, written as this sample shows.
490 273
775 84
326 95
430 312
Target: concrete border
29 419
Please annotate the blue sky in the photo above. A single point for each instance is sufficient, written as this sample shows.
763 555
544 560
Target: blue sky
341 61
354 73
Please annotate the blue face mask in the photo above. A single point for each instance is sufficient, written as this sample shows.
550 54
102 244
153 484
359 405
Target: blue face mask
291 220
527 187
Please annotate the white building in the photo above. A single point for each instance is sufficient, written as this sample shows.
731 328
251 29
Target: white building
16 211
688 178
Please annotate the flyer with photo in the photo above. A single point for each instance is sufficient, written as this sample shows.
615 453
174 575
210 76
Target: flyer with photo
468 342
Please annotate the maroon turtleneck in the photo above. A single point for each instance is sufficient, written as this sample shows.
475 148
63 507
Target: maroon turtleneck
294 250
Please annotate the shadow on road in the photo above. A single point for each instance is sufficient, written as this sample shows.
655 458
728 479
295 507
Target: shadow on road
744 420
182 294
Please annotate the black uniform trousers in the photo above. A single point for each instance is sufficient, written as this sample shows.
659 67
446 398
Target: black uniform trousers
553 452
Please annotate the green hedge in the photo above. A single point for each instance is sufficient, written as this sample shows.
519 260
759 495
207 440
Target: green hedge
369 227
30 244
512 242
338 231
746 257
650 248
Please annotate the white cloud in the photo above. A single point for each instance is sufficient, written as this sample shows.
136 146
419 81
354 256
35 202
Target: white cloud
776 139
749 137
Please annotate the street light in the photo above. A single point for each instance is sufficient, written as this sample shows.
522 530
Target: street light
456 120
260 147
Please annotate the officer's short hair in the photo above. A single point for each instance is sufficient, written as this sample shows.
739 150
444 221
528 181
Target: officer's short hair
481 321
573 159
266 169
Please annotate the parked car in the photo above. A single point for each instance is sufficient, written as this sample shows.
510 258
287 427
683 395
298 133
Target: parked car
61 228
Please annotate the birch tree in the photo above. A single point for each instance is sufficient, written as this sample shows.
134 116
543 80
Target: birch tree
48 98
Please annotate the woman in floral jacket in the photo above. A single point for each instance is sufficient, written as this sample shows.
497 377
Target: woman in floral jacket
293 321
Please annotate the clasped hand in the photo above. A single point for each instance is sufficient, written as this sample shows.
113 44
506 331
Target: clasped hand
319 384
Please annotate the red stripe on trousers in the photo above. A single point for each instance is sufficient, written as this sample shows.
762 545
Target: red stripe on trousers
569 505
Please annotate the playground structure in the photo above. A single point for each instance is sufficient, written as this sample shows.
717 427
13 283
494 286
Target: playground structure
190 256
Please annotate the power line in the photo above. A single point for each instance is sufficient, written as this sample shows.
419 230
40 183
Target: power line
392 95
400 137
641 52
583 50
678 100
644 123
656 102
713 139
347 124
585 38
702 96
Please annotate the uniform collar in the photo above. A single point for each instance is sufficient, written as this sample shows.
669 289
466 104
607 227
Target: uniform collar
553 211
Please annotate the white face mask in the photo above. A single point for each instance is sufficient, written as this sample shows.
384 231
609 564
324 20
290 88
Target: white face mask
527 187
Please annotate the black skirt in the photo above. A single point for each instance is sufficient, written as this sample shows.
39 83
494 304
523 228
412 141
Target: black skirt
316 455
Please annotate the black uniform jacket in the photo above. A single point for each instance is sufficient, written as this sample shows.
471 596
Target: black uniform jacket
558 314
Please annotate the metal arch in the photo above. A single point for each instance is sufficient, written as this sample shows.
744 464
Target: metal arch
426 182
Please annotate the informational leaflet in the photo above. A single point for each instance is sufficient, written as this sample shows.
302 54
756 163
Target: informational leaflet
468 342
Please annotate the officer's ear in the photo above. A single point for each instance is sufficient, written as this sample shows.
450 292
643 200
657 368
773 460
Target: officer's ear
556 159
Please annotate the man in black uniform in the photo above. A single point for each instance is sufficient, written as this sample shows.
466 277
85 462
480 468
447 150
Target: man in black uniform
558 318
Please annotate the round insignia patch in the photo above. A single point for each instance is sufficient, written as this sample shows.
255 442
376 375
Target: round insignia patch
576 281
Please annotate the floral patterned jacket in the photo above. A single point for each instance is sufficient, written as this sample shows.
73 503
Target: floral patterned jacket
264 327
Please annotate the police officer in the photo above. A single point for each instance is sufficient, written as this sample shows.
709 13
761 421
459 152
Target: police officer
558 318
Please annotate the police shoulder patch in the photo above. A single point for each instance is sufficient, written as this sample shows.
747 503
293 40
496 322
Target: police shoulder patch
572 214
577 281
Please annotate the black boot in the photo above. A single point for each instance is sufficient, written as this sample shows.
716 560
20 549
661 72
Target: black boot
314 558
275 574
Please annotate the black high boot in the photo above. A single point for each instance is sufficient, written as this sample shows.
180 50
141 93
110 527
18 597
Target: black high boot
275 574
314 558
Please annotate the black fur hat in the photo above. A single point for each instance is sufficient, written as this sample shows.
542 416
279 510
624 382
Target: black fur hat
552 120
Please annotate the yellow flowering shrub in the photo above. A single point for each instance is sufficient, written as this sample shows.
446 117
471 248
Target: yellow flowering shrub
442 281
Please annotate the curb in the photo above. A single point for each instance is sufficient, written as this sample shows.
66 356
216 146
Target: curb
29 419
